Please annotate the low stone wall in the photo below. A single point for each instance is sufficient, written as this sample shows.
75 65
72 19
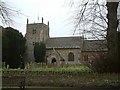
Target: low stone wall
64 79
13 81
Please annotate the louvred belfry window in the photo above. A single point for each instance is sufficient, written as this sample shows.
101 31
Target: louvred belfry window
34 31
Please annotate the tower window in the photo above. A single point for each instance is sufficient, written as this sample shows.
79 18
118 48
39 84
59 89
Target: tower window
70 56
34 31
33 43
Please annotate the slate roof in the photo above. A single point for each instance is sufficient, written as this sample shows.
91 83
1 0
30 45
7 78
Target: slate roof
94 45
76 42
64 42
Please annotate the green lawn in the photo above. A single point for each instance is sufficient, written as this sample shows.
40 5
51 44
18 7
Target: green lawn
55 69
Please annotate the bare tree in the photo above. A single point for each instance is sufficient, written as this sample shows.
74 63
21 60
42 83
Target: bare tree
90 18
6 13
96 19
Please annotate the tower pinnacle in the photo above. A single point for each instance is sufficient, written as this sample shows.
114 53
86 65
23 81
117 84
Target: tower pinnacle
38 18
42 19
27 21
48 23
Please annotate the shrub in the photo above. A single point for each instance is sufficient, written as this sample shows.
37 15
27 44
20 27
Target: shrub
104 65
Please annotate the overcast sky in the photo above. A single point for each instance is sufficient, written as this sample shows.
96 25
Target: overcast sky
57 12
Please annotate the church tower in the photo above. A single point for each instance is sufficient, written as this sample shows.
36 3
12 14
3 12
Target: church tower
35 33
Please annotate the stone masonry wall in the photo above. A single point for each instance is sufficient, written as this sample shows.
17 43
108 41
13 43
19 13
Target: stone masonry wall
64 54
40 33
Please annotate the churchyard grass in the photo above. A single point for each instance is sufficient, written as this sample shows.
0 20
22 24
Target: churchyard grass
72 69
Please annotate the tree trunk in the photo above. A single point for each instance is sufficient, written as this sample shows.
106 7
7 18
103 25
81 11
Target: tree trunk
112 36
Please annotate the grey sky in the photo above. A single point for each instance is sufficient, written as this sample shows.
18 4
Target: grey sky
54 11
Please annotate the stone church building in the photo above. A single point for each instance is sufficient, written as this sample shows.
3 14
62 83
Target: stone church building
61 50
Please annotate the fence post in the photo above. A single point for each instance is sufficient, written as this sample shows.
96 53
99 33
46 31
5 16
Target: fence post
22 84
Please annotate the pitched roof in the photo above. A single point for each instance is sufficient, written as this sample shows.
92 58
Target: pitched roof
64 42
94 45
76 42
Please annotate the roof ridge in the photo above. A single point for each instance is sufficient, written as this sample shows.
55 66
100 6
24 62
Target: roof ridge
63 37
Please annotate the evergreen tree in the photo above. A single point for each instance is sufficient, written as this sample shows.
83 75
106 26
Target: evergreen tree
13 47
39 52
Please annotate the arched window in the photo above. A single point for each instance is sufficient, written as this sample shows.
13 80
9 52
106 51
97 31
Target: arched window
53 61
70 56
